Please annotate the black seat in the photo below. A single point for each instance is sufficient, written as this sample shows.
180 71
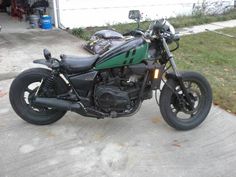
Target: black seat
73 64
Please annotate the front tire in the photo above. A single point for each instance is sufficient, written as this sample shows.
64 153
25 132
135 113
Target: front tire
173 106
21 87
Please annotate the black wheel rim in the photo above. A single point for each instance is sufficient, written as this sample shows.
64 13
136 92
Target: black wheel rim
28 92
179 105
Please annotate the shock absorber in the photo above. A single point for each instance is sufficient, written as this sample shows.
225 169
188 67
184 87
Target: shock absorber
48 84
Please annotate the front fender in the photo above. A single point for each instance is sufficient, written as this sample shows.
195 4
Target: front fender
42 62
171 75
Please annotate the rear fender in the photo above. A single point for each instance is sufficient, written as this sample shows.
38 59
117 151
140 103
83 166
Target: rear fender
42 62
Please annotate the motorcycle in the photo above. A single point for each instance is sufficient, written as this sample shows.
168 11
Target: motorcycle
114 84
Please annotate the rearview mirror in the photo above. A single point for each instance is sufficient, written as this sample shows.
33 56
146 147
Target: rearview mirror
47 54
134 15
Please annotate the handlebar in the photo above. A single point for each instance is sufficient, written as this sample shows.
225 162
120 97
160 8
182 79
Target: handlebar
168 36
149 35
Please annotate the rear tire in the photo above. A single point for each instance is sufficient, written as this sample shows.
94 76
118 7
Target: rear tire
171 110
21 106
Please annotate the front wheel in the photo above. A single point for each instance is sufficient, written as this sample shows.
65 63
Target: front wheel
24 87
174 107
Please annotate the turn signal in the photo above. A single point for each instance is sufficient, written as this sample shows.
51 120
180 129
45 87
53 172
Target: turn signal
156 73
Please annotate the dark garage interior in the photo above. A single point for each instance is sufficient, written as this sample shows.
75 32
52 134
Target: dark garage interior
22 14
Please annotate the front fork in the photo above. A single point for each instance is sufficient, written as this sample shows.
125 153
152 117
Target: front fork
177 74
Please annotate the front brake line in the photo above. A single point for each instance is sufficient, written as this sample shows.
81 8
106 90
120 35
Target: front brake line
177 46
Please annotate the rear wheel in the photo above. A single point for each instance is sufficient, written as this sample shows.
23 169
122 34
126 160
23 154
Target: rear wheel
174 107
23 89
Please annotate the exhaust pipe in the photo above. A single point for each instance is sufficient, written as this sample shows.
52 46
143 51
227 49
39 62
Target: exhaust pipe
60 104
69 106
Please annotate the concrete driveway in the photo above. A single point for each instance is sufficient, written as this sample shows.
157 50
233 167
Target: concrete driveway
18 50
138 146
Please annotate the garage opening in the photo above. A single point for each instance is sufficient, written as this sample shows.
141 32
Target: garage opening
23 15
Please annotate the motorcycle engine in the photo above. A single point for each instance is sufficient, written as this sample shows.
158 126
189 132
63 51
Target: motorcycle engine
119 90
111 98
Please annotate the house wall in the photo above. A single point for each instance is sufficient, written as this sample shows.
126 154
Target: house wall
78 13
50 10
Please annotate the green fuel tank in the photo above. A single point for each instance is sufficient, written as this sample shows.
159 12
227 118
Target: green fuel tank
131 52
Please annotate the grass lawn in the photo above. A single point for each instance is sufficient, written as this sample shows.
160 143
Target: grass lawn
177 22
214 56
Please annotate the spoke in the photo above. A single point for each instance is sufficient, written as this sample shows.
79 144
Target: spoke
42 109
28 90
174 110
195 98
189 85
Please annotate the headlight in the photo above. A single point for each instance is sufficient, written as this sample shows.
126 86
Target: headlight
162 25
169 28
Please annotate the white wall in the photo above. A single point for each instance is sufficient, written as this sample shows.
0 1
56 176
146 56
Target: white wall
80 13
50 10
